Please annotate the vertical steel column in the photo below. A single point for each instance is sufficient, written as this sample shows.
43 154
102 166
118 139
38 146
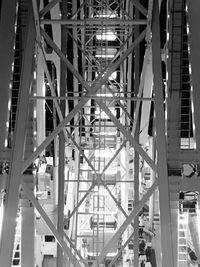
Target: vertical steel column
174 222
7 37
61 163
136 137
61 178
76 129
136 200
194 43
40 106
15 172
152 179
27 237
165 219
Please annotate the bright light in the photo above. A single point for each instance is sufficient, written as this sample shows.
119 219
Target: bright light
9 104
113 76
107 95
107 35
190 69
6 143
187 28
108 133
167 36
106 14
167 76
106 53
34 114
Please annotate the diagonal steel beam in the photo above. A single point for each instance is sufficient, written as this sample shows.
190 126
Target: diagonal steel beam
118 160
128 135
81 201
120 250
60 116
79 9
66 249
126 223
114 156
103 78
43 59
74 248
140 7
83 101
115 200
141 86
100 180
116 99
48 7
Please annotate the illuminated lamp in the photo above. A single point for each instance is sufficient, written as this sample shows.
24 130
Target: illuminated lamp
106 35
105 52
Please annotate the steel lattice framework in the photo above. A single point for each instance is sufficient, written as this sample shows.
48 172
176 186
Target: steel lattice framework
120 109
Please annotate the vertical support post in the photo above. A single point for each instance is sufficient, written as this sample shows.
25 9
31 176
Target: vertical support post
136 201
40 106
76 130
61 195
194 41
15 172
11 203
126 187
136 137
27 237
174 219
152 179
7 33
165 218
61 163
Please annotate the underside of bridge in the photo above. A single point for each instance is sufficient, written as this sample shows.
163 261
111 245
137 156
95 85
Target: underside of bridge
100 133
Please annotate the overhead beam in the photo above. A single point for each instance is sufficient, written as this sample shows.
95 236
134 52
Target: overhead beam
93 22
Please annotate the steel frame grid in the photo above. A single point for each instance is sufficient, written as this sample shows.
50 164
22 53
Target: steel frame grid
121 105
